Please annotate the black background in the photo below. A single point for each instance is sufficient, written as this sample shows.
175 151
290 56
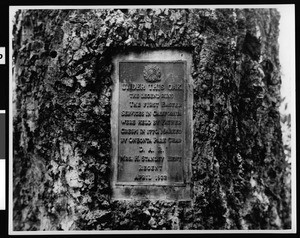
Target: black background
4 91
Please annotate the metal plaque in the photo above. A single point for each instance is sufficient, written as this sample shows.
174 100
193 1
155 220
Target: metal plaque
151 125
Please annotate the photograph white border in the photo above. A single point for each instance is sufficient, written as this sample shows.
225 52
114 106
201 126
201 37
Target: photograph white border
288 8
3 175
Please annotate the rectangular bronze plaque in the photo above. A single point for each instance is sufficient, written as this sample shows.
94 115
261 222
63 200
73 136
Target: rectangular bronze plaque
151 123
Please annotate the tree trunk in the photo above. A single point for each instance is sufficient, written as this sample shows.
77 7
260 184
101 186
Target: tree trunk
62 141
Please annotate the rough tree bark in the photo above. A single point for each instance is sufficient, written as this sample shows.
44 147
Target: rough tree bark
61 137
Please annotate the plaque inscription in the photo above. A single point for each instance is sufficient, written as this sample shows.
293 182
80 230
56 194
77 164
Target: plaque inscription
151 123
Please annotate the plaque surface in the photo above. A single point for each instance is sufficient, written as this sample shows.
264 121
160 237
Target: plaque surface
151 122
